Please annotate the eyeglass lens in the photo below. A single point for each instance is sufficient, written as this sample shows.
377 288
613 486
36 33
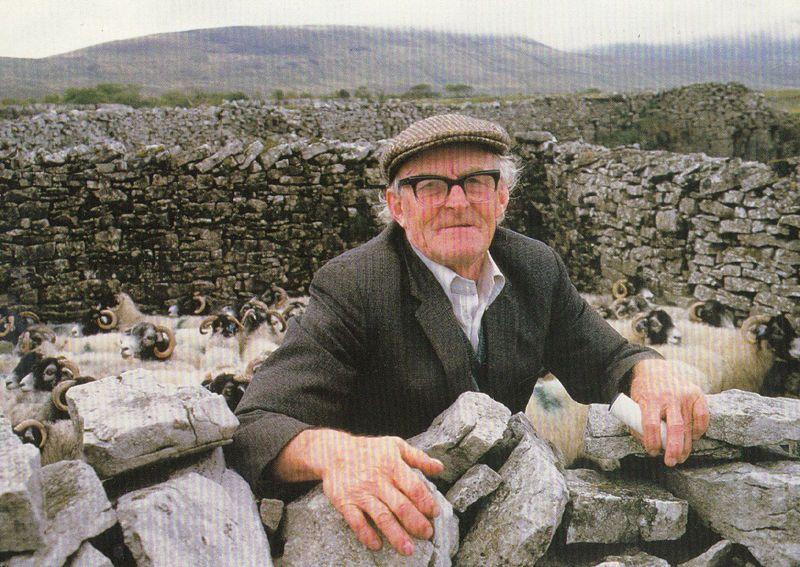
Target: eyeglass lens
477 189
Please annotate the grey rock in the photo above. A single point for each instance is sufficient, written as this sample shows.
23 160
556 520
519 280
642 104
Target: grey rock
132 420
313 150
747 419
271 512
21 513
519 519
668 221
251 153
640 559
715 556
231 148
210 465
608 438
245 510
76 507
477 482
754 505
189 520
88 556
316 534
463 433
604 509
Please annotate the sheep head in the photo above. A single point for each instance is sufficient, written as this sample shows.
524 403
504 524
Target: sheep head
223 324
34 337
47 373
656 327
32 431
147 341
780 336
229 386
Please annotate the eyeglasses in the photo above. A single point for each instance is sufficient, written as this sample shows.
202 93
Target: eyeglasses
433 190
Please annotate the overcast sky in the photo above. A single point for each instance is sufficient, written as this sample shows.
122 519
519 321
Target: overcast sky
38 28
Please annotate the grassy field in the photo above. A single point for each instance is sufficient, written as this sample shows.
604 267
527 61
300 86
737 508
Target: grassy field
785 99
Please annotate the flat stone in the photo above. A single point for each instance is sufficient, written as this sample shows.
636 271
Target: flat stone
755 505
463 433
251 153
519 519
245 509
271 512
605 509
88 556
313 150
76 509
132 420
231 148
477 482
21 506
716 556
316 534
640 559
210 465
608 438
747 419
189 520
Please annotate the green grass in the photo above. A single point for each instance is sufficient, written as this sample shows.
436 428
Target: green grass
785 99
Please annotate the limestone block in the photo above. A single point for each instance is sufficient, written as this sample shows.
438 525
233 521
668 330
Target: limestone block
520 517
88 556
755 505
461 434
477 482
132 420
271 512
640 559
604 509
189 520
747 419
715 556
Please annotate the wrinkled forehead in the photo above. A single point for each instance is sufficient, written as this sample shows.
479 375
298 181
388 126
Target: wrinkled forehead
452 160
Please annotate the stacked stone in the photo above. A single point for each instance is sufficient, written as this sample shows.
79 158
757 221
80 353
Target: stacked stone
720 120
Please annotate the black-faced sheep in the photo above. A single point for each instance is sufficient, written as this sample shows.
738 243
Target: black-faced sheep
654 327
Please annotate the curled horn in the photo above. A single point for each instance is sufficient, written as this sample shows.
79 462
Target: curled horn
635 324
201 304
618 307
620 289
249 313
30 315
25 342
750 325
112 319
283 297
205 326
694 311
163 354
22 426
9 326
70 368
59 394
279 317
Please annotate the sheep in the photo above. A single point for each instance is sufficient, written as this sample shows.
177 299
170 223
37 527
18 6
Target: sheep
56 440
222 353
286 306
261 337
13 323
125 314
197 304
739 358
229 386
651 328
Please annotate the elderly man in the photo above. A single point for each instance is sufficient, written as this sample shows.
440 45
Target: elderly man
441 302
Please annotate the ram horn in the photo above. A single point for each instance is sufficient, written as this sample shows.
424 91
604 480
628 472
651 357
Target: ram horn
9 326
164 354
694 311
112 320
279 317
59 394
620 289
24 343
618 307
636 321
750 326
205 326
247 314
70 368
201 302
283 297
22 426
30 315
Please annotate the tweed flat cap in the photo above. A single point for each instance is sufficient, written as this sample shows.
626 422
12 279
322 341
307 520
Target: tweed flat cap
440 130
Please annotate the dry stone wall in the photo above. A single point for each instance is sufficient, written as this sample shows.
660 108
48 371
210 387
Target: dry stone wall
720 120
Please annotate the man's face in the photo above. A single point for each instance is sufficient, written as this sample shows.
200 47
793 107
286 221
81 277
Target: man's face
456 234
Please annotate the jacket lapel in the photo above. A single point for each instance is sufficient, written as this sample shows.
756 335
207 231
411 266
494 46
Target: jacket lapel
435 316
501 322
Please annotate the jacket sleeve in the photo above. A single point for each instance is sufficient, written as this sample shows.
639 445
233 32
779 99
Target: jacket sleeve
587 355
307 382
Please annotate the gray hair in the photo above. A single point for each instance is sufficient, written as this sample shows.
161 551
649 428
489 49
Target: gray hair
508 165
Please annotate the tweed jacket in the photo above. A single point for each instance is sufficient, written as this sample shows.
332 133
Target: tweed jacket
379 350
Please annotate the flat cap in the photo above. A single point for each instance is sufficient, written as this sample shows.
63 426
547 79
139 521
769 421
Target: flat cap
440 130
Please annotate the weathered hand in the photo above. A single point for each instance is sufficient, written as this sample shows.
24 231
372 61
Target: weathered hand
372 477
663 390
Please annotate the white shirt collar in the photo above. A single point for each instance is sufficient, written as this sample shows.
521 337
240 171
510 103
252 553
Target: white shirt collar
490 281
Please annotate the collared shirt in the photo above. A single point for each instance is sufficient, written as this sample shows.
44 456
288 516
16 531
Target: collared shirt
469 300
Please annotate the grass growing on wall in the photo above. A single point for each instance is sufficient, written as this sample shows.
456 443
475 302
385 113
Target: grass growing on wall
785 99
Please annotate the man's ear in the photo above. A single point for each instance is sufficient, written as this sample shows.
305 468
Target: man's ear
502 199
395 203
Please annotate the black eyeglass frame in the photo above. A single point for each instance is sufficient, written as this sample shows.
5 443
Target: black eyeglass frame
415 179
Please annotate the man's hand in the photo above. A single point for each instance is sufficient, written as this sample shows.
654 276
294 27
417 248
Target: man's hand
663 390
369 478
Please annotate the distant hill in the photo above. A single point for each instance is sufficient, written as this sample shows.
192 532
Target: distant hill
320 59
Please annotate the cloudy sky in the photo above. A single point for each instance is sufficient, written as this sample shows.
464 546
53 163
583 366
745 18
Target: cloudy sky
38 28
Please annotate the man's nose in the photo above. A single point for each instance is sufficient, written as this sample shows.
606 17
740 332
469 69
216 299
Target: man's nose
457 197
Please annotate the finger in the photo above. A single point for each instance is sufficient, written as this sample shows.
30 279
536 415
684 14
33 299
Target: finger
387 523
675 428
686 412
416 490
700 416
651 427
419 460
358 523
404 510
